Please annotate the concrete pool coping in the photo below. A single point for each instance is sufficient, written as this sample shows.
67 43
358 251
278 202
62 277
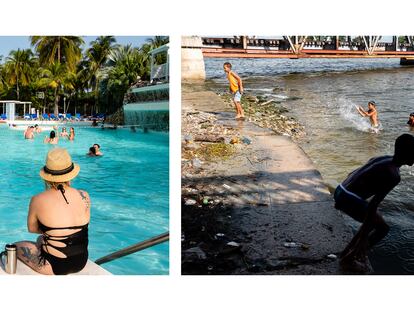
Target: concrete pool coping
91 268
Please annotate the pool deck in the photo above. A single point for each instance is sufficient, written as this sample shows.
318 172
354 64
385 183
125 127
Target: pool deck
91 268
282 213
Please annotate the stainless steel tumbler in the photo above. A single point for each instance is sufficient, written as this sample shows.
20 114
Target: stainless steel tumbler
11 258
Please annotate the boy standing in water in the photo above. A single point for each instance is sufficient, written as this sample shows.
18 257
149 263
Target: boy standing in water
374 179
236 88
371 113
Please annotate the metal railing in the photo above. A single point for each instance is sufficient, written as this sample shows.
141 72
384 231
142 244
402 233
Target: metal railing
134 248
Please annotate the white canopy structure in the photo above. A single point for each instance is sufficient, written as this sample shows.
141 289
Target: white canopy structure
9 107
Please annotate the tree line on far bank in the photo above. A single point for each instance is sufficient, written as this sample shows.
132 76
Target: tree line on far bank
56 73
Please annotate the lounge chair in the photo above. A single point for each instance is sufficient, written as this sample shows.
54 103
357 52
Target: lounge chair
45 116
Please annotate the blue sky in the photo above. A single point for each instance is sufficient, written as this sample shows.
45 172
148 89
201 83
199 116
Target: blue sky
8 43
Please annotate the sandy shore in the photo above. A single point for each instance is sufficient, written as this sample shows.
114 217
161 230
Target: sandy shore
255 204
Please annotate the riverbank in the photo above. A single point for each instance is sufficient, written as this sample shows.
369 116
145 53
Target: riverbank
252 201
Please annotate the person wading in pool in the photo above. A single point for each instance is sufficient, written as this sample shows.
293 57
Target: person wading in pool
92 152
72 134
97 150
61 215
371 113
29 133
373 180
64 133
52 139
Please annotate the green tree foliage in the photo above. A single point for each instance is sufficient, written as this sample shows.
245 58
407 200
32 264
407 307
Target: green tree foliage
18 69
58 49
98 78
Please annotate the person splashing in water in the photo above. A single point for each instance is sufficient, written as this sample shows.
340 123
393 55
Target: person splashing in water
371 113
411 120
374 180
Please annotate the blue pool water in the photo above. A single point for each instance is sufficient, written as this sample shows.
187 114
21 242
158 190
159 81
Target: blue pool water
128 186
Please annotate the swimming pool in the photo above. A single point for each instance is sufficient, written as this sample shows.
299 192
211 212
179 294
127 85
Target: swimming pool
128 186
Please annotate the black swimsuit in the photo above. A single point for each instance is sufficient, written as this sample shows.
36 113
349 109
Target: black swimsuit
75 249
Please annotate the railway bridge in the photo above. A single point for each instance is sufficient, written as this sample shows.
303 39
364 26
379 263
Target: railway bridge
195 49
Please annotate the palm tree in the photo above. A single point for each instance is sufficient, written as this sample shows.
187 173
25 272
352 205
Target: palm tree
60 49
57 77
96 57
124 66
18 68
158 41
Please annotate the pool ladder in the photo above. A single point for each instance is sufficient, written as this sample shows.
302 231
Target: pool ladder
134 248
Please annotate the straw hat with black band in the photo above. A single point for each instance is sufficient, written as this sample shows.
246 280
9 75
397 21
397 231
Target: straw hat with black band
59 166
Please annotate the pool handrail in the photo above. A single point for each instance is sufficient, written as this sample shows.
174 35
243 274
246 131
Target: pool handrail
134 248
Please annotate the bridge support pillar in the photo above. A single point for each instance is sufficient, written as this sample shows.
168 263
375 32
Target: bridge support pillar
192 61
407 61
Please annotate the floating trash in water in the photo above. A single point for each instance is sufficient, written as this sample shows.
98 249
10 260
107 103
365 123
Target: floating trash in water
220 235
205 201
332 256
234 244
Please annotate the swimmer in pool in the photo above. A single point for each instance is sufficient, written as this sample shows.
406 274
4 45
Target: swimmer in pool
411 120
29 133
97 149
64 133
72 134
374 180
92 152
52 139
371 113
37 129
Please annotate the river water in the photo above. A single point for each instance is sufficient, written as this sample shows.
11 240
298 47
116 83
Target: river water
322 94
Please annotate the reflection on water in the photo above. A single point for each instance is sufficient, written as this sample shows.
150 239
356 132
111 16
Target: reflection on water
322 95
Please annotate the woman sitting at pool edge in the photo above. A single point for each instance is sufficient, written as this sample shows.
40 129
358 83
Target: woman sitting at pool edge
61 215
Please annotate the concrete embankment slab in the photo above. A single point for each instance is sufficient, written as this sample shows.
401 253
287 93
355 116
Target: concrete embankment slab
282 214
